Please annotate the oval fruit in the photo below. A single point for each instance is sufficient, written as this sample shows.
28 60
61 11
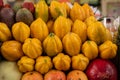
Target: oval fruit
12 50
34 75
55 75
76 75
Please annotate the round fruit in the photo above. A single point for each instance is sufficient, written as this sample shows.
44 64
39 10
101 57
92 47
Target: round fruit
76 75
55 75
26 64
32 47
90 49
52 45
5 33
12 50
101 69
32 76
20 31
71 44
62 62
43 64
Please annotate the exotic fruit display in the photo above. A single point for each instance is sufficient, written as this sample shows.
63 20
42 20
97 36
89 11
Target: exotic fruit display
101 69
90 49
80 62
32 47
12 50
96 32
56 40
43 64
61 26
26 64
55 75
77 12
20 31
108 50
71 44
80 28
41 10
76 75
39 29
5 33
62 62
7 16
57 9
32 75
24 15
52 45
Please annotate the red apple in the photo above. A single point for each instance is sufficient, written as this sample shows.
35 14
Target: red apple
29 6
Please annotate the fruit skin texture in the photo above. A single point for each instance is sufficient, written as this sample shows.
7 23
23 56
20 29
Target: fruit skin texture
96 32
62 26
80 62
90 20
24 15
101 69
33 75
76 75
12 50
71 43
7 16
29 6
88 10
26 64
9 71
39 29
41 11
77 12
20 31
32 47
108 35
62 62
55 75
50 25
5 33
90 49
43 64
108 50
57 9
80 28
52 45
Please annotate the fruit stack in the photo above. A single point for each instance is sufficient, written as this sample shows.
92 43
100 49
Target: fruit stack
55 42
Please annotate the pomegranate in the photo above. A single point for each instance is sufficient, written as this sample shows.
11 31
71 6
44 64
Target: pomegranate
55 75
101 69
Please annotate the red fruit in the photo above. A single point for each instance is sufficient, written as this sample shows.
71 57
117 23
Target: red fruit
101 69
55 75
29 6
1 3
7 6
